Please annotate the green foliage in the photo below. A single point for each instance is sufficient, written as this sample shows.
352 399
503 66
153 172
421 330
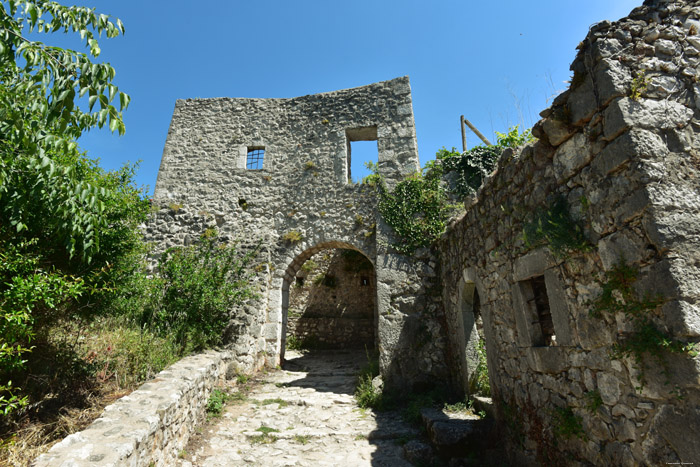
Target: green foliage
66 226
309 265
265 436
471 167
639 85
566 424
619 296
555 228
416 209
593 401
281 402
309 165
309 342
367 396
293 343
41 169
217 401
513 137
373 179
201 284
120 351
480 380
293 236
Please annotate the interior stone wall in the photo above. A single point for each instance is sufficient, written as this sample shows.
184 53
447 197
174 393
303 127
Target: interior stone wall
621 147
299 203
332 302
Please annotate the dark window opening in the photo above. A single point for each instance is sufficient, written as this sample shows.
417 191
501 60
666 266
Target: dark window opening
254 160
300 281
364 280
540 301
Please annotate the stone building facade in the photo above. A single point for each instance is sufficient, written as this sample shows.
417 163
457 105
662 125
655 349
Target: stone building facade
276 172
621 150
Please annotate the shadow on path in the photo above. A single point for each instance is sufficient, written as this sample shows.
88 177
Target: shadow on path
304 415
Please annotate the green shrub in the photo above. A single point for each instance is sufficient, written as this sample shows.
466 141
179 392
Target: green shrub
293 236
121 351
217 401
201 285
311 342
480 380
367 396
309 265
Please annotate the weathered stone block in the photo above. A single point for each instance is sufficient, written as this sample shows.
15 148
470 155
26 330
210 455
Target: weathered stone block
624 113
571 156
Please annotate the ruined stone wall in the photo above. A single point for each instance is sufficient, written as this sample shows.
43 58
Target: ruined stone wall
299 203
621 148
332 303
152 425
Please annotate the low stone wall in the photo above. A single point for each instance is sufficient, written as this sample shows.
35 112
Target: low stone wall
152 424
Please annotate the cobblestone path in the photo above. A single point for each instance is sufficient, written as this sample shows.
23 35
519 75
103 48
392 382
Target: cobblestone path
304 415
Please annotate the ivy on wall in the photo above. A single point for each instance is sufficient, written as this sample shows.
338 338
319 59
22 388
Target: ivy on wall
646 339
555 227
417 209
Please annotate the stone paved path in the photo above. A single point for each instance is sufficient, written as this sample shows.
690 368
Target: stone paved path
310 402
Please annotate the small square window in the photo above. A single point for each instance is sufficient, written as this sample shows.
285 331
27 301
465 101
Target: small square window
254 160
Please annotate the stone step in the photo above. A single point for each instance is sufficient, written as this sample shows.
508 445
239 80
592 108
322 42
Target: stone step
457 434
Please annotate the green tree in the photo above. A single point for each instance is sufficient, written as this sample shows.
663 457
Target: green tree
65 224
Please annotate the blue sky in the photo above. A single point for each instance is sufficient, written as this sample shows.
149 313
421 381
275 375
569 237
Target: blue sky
499 63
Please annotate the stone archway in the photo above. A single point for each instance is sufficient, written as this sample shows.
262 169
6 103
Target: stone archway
338 320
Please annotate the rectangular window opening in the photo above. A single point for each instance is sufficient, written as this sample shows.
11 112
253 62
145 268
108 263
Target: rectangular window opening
539 302
255 157
361 148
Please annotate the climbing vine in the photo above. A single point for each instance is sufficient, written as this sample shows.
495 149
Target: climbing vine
417 209
470 168
554 227
618 296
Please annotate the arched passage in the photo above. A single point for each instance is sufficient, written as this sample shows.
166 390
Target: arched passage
329 299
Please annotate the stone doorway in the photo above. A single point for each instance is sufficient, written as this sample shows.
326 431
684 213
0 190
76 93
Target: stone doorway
475 376
331 302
